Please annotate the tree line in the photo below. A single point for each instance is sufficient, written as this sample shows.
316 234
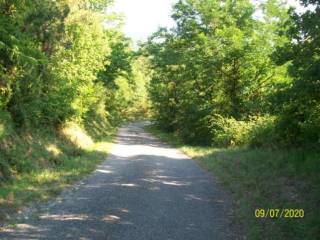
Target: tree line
61 60
233 73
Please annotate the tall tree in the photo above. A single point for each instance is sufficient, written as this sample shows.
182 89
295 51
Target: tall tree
301 116
217 60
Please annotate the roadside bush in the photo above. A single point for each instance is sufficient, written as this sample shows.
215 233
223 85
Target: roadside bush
5 124
194 129
300 126
5 130
229 131
256 131
263 132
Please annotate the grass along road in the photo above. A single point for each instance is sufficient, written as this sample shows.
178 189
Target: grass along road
145 190
52 160
264 178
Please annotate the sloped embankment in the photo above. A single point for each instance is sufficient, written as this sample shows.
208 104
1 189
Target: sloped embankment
35 164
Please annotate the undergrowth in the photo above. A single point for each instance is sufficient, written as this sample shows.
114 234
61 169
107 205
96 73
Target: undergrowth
36 164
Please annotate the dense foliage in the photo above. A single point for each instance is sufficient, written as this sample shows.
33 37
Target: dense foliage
62 61
300 119
244 79
230 73
58 60
236 73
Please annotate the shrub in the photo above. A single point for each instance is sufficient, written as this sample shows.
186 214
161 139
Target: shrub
300 126
263 131
229 131
5 130
256 131
5 124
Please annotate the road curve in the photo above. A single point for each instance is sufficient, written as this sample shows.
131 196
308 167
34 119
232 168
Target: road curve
145 190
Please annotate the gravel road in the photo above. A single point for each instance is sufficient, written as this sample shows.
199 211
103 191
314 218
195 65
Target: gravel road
145 190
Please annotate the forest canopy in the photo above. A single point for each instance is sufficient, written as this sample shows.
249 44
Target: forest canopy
234 84
226 75
63 61
59 61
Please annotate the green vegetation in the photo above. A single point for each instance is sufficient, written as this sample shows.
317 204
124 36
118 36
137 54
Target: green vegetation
45 161
263 178
222 70
217 63
237 83
68 78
